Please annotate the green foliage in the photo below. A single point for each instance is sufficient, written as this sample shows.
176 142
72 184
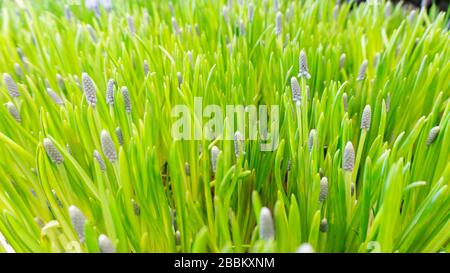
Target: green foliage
395 198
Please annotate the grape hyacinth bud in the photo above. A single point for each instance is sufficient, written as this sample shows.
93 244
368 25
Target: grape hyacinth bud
67 13
365 119
97 11
173 217
376 59
189 29
190 58
180 78
275 5
110 92
108 146
288 13
362 71
57 99
251 12
39 222
324 225
325 149
230 48
91 4
146 16
100 161
266 228
432 135
425 3
225 14
105 244
197 29
26 63
58 201
60 81
266 5
119 135
47 84
336 12
416 42
13 111
136 207
130 22
92 34
177 237
146 68
241 28
345 101
295 87
305 248
20 53
11 85
411 17
279 23
303 64
126 99
323 189
214 154
52 151
107 5
321 173
388 102
388 9
398 51
342 61
89 89
175 28
172 11
312 138
18 70
239 147
230 4
78 219
348 161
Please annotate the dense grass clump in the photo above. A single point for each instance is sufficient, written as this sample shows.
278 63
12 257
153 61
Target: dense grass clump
88 162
